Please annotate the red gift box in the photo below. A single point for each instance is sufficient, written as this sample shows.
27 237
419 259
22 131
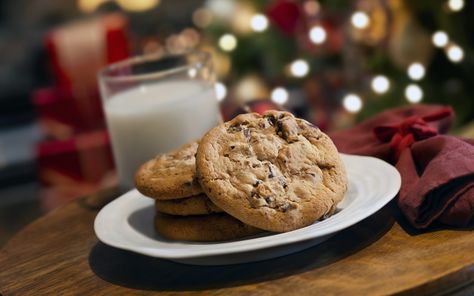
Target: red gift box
80 49
75 167
62 114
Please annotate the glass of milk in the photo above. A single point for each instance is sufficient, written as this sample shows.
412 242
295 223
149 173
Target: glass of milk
156 103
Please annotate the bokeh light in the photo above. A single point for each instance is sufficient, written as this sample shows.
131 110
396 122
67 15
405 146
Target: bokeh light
228 42
352 103
413 93
279 95
380 84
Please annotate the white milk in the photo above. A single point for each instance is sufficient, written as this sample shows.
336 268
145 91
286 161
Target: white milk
155 118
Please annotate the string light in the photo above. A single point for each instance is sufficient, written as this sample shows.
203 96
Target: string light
89 5
311 7
416 71
259 23
413 93
228 42
279 95
456 5
192 72
352 103
455 53
202 17
440 39
317 35
299 68
360 20
137 5
221 91
380 84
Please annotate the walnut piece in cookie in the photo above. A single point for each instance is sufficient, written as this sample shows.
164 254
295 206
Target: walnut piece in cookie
274 172
171 175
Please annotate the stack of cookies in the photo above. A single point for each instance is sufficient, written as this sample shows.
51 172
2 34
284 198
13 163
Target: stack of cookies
270 172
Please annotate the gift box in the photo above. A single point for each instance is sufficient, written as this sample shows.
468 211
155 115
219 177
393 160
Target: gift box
76 158
62 114
74 167
78 50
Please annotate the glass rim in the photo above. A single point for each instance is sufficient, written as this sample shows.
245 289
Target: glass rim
104 73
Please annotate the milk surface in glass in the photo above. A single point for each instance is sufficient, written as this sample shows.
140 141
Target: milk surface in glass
155 118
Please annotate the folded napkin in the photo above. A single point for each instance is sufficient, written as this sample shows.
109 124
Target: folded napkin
437 170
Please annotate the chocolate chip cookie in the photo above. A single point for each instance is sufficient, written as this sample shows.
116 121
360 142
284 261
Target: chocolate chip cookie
274 172
171 175
214 227
194 205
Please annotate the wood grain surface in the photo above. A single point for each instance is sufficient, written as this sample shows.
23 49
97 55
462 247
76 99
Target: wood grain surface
59 255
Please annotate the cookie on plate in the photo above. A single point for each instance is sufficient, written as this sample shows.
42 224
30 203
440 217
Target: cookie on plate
213 227
274 172
171 175
194 205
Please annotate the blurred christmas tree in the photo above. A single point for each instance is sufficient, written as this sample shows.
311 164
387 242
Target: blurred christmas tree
334 62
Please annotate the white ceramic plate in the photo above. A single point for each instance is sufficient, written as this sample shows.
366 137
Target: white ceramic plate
127 222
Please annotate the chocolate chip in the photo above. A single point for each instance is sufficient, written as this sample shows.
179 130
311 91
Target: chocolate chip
232 147
285 186
272 172
258 182
269 199
285 207
271 120
247 133
226 155
234 129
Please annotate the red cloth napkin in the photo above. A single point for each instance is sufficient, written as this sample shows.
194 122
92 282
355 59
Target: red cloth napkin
437 170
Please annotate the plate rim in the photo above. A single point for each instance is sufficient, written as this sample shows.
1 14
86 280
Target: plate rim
250 244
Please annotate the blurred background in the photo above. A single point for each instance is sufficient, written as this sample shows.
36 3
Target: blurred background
331 62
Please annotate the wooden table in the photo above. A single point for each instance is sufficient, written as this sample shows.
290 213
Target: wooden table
59 255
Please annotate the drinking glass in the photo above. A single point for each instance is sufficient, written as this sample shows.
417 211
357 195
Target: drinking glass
156 103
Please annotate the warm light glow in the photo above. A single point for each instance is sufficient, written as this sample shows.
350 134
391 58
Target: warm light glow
456 5
222 9
202 17
413 93
380 84
311 7
137 5
440 39
192 72
221 91
352 103
259 23
317 35
360 20
280 95
416 71
89 5
228 42
455 53
299 68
